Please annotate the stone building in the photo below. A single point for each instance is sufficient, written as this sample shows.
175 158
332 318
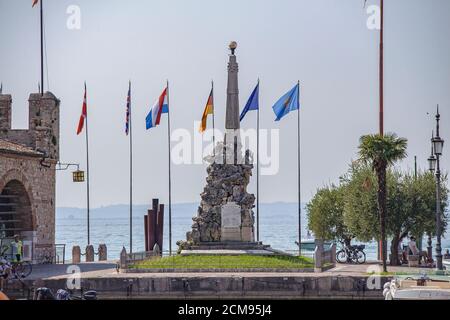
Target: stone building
27 175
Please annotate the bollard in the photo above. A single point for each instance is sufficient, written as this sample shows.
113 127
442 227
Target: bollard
318 256
123 259
76 255
90 253
102 252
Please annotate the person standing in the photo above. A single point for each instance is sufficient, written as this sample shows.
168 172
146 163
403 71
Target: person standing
17 247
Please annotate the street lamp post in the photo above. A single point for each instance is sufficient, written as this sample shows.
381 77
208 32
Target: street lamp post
437 146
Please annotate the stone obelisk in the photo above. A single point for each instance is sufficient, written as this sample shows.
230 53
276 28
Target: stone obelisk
232 113
225 216
232 143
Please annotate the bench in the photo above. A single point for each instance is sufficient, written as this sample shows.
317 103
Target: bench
413 261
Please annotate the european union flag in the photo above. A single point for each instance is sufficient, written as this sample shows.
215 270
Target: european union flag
252 103
289 102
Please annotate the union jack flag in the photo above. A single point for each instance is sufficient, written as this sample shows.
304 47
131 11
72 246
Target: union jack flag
127 123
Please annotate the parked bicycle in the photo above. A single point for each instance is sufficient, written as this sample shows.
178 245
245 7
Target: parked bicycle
18 270
63 295
351 254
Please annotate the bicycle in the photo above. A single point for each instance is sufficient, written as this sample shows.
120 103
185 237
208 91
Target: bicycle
351 254
19 270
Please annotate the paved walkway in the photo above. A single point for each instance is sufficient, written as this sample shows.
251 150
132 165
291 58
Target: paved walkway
108 270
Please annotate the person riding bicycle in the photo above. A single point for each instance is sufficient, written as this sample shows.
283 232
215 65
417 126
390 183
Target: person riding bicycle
17 249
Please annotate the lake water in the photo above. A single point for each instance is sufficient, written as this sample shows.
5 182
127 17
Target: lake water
110 225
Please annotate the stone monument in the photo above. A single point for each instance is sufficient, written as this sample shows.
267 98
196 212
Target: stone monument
225 219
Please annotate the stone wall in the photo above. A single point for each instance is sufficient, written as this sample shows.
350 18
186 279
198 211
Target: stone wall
39 183
32 174
43 132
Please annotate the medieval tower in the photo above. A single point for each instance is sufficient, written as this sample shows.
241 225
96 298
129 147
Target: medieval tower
28 175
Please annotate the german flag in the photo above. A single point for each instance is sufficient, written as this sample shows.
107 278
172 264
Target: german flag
35 2
209 110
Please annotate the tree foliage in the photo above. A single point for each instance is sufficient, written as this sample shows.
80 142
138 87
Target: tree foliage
381 151
351 208
325 213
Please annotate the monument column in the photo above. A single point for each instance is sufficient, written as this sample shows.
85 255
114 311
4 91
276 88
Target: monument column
232 112
232 122
225 214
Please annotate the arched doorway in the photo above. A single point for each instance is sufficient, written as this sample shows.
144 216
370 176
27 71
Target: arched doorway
15 210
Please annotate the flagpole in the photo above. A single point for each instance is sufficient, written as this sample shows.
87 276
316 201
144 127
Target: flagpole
130 128
42 46
257 171
170 171
381 112
213 121
87 170
382 69
299 176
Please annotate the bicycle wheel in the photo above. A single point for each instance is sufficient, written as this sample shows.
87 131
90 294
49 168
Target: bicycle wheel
341 256
23 269
359 257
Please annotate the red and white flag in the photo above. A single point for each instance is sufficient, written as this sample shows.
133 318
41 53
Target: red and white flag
83 112
35 2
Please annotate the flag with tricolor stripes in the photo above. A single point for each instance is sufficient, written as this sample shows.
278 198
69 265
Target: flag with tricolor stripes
83 112
209 110
161 106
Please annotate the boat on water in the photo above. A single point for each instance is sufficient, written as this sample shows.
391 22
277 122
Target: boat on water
421 288
310 244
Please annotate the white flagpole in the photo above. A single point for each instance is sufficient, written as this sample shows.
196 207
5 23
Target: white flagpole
299 179
257 171
87 171
214 121
131 170
170 172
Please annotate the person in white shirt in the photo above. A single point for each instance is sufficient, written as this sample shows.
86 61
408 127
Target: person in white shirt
402 254
416 252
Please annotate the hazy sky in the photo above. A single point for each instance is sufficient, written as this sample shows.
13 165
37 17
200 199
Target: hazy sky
325 44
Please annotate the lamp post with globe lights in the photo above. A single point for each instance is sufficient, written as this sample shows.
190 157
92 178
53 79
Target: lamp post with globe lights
434 166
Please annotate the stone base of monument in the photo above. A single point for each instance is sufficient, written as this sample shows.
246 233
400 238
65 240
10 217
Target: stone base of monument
230 248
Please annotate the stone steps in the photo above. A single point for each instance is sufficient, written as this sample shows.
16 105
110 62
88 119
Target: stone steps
230 246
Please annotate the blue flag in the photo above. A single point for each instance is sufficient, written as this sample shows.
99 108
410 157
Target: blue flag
289 102
252 103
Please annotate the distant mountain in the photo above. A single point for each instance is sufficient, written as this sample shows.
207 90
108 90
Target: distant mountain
185 210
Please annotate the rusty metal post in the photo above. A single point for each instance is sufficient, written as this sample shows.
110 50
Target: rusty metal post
146 232
160 227
151 229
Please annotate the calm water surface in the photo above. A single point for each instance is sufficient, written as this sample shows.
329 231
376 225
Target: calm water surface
278 228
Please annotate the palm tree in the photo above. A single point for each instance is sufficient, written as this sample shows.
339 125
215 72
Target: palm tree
380 152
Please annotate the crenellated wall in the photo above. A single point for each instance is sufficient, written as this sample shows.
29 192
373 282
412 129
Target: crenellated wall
27 174
43 131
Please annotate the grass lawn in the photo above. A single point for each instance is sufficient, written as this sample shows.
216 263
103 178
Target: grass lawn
227 262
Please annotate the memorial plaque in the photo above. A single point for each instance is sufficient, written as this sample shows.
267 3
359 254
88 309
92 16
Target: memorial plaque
231 222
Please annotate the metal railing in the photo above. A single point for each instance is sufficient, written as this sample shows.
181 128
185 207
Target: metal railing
60 254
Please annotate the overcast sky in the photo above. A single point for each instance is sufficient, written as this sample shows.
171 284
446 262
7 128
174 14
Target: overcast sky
325 44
